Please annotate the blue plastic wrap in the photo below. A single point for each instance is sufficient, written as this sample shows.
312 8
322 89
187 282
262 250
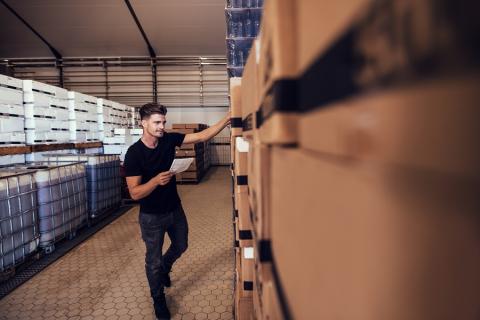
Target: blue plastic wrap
243 22
244 3
238 50
235 71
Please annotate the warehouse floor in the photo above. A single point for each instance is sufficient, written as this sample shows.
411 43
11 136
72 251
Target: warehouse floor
104 278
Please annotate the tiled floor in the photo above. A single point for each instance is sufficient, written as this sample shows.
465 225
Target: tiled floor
104 277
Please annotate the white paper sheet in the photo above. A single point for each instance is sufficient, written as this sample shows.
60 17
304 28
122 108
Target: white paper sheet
180 165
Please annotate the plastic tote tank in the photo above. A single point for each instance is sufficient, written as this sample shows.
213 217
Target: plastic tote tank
103 180
19 234
61 198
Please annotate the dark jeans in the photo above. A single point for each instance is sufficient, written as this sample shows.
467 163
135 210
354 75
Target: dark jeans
153 228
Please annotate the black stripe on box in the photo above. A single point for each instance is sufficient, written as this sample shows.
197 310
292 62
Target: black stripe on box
242 180
332 76
248 123
258 118
248 285
265 250
281 294
282 97
245 234
236 122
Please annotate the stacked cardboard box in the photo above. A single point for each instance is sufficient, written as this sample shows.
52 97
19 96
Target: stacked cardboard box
243 239
362 167
243 232
198 151
265 294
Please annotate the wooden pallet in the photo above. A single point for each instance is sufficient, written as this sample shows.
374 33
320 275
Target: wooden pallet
86 145
12 150
52 147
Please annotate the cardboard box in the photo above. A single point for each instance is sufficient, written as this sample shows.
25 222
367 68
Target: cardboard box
186 131
232 150
278 40
240 165
259 188
280 128
185 153
366 229
241 156
278 71
243 308
243 238
266 299
257 304
189 146
236 106
355 52
245 271
241 205
198 126
332 17
271 305
429 125
178 126
190 175
250 92
247 264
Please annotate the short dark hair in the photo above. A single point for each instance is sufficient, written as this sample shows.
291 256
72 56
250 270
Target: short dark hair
152 108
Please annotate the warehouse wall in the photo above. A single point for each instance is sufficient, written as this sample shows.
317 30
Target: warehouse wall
197 115
195 89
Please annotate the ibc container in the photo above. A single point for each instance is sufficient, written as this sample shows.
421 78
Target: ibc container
103 180
19 233
61 198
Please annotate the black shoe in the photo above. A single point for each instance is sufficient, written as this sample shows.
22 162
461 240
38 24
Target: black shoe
165 278
161 308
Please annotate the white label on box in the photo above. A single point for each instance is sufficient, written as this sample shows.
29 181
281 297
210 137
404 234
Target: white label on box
242 144
248 253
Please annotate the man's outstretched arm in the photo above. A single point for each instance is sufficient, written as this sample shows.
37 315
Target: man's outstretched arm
208 133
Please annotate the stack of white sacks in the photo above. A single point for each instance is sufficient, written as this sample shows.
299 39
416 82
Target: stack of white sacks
134 118
84 124
121 140
46 113
32 112
111 115
12 117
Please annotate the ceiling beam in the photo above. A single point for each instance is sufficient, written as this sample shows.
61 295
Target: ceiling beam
52 49
151 51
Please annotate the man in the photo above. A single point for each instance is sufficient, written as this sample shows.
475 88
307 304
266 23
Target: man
147 164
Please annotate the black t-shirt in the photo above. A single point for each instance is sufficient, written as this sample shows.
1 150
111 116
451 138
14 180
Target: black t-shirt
143 161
